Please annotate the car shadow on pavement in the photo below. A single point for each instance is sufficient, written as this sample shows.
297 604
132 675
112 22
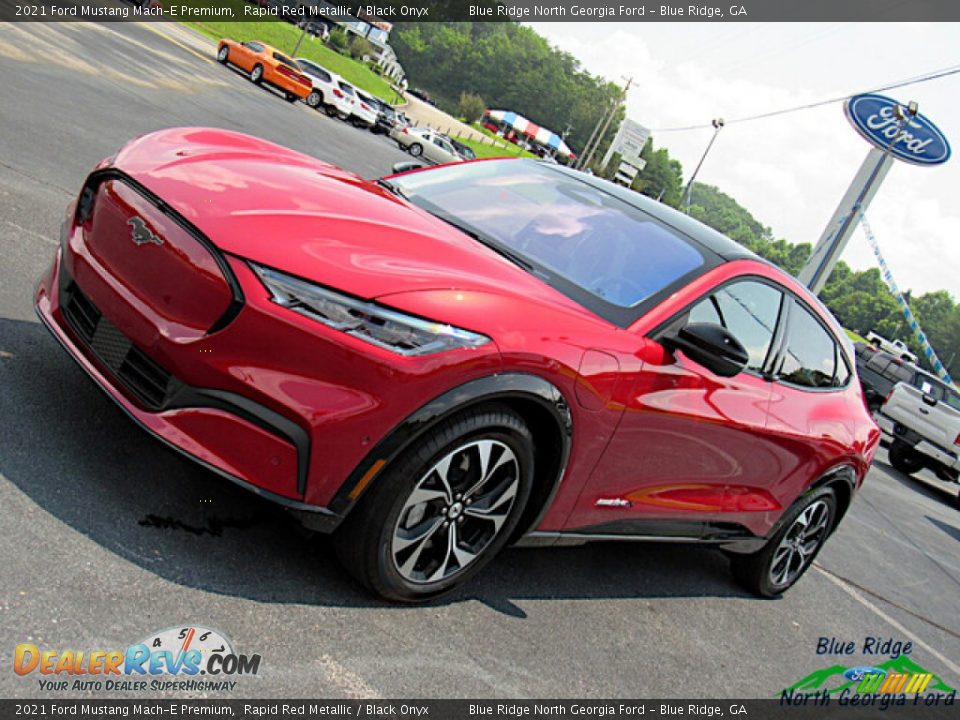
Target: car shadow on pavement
76 455
935 489
951 530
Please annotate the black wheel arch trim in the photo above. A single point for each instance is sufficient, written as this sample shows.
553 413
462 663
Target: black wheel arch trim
237 301
843 474
506 386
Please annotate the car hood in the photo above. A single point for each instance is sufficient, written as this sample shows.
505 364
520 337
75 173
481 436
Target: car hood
280 208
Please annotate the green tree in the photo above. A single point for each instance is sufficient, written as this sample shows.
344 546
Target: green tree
338 40
662 176
726 215
511 67
359 47
471 107
939 316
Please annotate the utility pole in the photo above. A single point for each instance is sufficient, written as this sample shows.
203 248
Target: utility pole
596 129
303 34
588 155
685 200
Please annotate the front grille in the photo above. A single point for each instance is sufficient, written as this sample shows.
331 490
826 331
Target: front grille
143 377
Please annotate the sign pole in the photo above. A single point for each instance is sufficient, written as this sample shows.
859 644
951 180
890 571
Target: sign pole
838 231
895 131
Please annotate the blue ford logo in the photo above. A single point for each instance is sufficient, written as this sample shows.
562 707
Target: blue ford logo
920 142
856 674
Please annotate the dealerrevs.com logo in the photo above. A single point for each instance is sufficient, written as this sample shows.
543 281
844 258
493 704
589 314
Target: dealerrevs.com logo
189 658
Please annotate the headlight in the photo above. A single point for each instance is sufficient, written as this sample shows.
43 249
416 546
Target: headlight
389 329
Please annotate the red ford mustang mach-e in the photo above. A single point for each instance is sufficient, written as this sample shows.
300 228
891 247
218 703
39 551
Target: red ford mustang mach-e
443 361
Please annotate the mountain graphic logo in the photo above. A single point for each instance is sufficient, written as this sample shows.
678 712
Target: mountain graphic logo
900 674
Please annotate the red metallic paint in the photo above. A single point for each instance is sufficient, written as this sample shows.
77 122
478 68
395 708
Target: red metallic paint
655 428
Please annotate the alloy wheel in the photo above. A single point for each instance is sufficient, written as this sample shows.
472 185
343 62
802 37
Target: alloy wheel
455 511
799 544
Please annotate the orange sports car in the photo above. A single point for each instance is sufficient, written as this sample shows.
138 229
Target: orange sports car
266 65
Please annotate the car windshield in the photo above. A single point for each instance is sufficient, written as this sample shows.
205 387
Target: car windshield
560 224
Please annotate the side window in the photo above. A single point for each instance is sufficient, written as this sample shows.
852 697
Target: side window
902 374
748 309
809 352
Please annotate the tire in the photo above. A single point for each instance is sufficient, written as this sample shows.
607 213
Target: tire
414 535
314 99
223 55
290 97
416 149
787 556
256 75
904 458
331 111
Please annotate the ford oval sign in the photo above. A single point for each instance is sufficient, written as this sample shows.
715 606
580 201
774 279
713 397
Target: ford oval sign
920 142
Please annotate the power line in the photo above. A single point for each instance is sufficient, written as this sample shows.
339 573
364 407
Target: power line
933 75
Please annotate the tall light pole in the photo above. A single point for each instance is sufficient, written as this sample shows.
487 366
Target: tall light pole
717 126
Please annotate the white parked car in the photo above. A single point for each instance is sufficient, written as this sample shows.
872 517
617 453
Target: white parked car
326 92
427 144
365 110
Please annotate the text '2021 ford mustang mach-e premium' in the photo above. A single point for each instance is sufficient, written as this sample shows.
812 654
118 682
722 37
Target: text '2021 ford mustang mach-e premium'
435 364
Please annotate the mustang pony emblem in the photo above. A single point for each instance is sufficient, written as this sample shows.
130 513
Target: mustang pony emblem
140 234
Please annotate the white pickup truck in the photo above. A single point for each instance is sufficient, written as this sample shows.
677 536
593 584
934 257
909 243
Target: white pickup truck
895 347
924 421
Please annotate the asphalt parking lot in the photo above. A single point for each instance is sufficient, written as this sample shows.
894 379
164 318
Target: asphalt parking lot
107 536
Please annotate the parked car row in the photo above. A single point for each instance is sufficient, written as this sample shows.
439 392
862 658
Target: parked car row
303 79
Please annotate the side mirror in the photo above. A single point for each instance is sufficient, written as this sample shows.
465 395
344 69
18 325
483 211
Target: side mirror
405 166
712 346
929 400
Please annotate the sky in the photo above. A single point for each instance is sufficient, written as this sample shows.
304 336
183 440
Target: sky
791 171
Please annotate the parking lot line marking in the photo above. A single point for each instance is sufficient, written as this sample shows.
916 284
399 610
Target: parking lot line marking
31 233
146 26
886 618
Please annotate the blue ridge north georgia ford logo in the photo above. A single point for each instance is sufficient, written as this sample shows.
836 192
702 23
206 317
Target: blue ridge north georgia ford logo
920 142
